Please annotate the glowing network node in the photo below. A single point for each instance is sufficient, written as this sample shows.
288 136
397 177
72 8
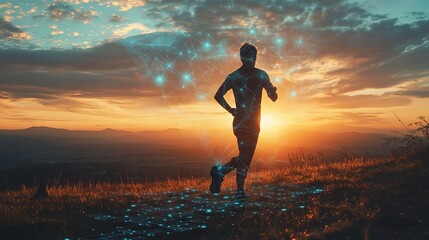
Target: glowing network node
201 96
186 78
279 41
159 80
299 42
169 65
207 46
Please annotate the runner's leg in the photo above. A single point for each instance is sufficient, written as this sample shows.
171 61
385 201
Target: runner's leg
247 141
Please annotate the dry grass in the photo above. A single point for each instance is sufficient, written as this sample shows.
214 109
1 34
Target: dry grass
354 197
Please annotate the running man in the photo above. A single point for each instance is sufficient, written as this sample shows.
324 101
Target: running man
246 83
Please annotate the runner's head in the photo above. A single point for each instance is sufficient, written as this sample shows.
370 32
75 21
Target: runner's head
248 54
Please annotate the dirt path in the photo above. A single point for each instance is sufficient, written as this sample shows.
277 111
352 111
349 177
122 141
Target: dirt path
172 214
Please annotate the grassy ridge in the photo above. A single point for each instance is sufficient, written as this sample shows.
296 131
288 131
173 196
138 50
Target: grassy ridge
377 198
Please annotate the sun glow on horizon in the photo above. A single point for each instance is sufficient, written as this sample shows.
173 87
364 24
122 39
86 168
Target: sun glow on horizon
271 124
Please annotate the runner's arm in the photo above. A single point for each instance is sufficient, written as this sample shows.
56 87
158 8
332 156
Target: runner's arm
223 89
271 90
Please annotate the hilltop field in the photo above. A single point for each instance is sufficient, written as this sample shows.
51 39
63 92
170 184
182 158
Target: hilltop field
355 198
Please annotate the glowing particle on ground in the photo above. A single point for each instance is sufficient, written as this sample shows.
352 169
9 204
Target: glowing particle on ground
301 206
293 94
284 209
278 79
208 211
317 190
252 31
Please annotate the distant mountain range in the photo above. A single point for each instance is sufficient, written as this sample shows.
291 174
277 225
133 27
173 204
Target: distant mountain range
177 138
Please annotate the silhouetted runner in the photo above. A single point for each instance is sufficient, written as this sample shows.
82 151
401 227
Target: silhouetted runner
247 83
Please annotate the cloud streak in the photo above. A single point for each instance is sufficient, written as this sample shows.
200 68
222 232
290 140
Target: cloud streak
10 32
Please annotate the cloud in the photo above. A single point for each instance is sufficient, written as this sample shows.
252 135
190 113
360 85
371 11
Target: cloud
360 101
384 55
418 89
354 118
328 48
32 10
117 18
375 51
5 5
132 27
55 30
419 93
125 5
125 69
60 10
52 84
109 56
10 32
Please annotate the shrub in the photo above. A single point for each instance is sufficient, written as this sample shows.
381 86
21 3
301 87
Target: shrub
414 141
